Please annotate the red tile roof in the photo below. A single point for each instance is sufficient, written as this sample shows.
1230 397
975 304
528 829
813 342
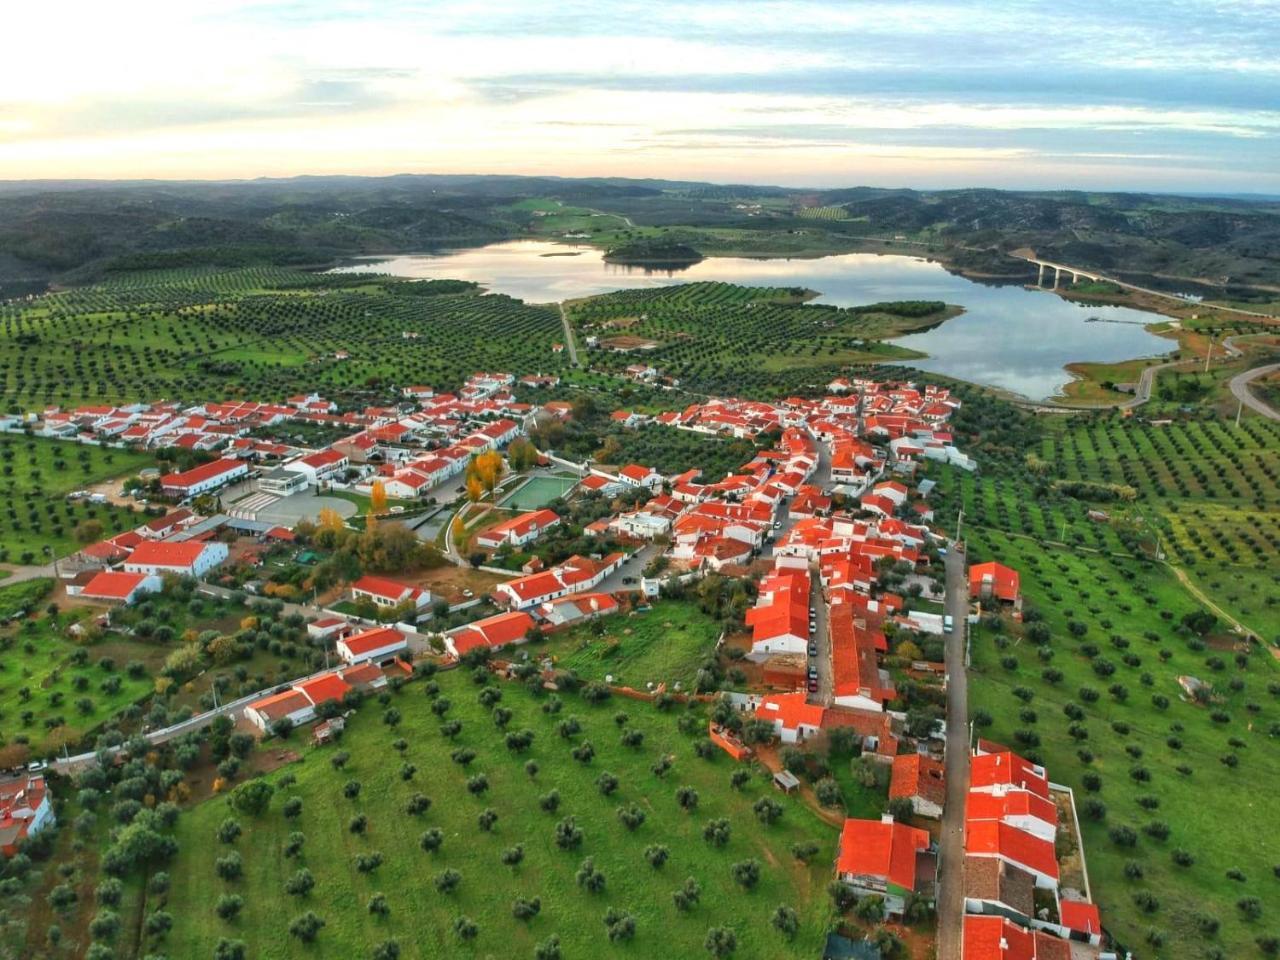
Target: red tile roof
112 585
994 838
493 631
915 775
1003 581
995 769
392 590
791 710
1078 915
995 938
327 686
1012 803
882 849
375 639
179 555
205 471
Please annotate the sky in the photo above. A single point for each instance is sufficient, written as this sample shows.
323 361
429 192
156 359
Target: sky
1175 95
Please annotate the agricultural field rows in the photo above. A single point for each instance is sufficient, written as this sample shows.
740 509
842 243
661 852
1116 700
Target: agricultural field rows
260 333
717 337
1089 685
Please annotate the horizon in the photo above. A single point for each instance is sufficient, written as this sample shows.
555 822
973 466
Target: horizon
1154 98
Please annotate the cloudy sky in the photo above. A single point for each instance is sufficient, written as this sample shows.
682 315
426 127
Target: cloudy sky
1115 94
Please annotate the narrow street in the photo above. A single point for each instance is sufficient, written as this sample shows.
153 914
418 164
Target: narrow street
950 902
821 636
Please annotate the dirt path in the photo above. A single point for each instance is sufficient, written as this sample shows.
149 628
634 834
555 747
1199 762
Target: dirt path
1204 598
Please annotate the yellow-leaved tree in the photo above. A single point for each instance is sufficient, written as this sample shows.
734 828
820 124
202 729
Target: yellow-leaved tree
330 520
475 489
378 498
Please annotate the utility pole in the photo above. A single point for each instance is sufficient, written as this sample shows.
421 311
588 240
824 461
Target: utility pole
1207 355
959 521
1239 410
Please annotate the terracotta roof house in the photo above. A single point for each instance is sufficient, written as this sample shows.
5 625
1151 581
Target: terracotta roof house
779 621
886 858
992 838
635 475
190 558
993 772
120 587
794 719
519 530
995 938
920 779
378 644
202 479
292 705
493 632
993 581
389 593
1019 808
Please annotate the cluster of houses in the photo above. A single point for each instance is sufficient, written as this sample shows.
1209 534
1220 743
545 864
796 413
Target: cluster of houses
1015 903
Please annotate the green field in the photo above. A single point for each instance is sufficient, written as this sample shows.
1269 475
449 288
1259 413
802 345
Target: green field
261 332
37 475
1127 648
665 644
422 919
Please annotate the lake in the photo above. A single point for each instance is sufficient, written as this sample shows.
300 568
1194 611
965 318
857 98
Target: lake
1009 337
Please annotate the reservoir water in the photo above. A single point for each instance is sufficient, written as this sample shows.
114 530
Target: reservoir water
1009 337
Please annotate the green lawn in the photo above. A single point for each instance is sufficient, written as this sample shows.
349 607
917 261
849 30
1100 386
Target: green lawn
1223 816
37 475
665 644
421 918
537 492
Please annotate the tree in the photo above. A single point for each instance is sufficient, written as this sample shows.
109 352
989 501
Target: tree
306 926
786 921
465 928
870 909
330 520
686 898
767 810
252 798
447 880
746 873
300 884
720 941
589 878
229 950
548 949
378 498
229 906
657 855
621 926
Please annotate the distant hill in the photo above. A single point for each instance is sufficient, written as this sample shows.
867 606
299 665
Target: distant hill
74 231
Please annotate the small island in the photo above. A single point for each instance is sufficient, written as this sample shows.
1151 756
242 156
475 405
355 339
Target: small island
655 252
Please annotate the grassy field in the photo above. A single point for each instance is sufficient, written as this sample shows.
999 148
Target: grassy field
664 644
260 332
37 475
1157 754
422 919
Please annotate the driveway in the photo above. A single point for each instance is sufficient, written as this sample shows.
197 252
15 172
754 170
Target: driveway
950 901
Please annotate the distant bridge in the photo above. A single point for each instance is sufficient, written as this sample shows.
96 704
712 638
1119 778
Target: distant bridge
1077 272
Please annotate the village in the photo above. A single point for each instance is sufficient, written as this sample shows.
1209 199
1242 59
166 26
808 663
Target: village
830 524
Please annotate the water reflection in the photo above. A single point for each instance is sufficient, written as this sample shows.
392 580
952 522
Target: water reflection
1009 337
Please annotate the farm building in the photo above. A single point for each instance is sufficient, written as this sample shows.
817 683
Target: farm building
189 558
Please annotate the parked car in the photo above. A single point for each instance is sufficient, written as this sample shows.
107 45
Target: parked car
947 624
813 686
813 672
813 649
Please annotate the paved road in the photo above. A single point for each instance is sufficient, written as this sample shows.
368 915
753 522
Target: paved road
951 863
1240 387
